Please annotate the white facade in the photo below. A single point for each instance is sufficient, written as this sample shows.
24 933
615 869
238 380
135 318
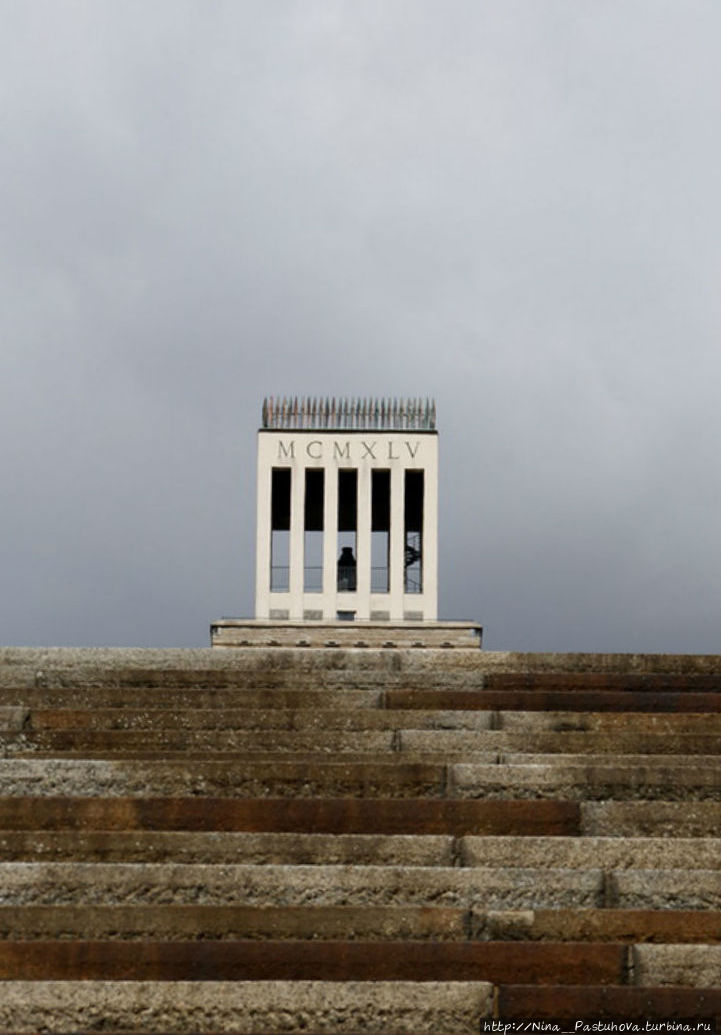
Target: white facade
347 512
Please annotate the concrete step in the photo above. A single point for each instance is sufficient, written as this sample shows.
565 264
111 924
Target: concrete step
556 700
534 962
82 698
260 758
443 1008
355 718
270 885
277 778
320 815
667 819
602 722
671 782
590 680
582 759
306 718
369 779
610 853
377 923
523 1001
614 853
695 966
610 742
370 742
189 922
628 926
365 741
663 889
227 847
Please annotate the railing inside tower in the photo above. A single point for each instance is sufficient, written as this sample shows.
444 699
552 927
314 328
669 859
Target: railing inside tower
349 414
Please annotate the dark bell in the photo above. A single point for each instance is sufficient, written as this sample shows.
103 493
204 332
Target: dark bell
346 559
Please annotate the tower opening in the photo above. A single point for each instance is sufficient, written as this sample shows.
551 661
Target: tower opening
347 530
280 529
380 530
313 530
413 532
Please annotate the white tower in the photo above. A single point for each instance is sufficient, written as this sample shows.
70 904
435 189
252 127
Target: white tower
347 520
347 528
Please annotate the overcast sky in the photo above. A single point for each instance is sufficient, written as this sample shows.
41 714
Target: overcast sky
512 206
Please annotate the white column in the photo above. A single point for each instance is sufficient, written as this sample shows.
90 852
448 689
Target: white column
330 542
262 539
430 543
363 543
397 553
297 498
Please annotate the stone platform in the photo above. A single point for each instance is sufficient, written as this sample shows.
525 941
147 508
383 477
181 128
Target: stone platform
250 632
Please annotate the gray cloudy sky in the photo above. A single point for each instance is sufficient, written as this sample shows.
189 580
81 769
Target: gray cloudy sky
512 205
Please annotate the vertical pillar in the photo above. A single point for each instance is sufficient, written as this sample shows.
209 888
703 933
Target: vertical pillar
262 539
363 542
297 499
397 551
430 543
330 542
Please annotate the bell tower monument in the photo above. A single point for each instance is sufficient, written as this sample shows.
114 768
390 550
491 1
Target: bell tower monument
347 527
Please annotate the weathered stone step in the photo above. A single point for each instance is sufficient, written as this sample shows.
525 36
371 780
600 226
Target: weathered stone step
307 718
602 722
671 782
258 759
664 680
556 700
372 778
369 742
695 966
246 884
534 962
320 815
614 853
611 853
277 778
365 741
444 1008
629 926
356 718
567 742
82 698
390 757
524 1001
670 819
581 759
164 923
219 847
385 923
663 889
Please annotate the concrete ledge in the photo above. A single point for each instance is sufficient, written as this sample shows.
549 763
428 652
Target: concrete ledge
651 818
626 926
196 923
244 1006
515 1002
269 885
153 846
294 815
338 961
247 632
697 966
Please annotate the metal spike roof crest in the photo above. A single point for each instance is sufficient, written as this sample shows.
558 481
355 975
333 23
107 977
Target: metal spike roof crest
354 414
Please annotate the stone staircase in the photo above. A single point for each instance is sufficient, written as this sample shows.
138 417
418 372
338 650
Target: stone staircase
356 840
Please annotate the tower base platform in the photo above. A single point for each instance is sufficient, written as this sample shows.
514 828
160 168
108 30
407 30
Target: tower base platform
256 632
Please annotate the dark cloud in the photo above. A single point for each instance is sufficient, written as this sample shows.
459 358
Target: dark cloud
511 206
